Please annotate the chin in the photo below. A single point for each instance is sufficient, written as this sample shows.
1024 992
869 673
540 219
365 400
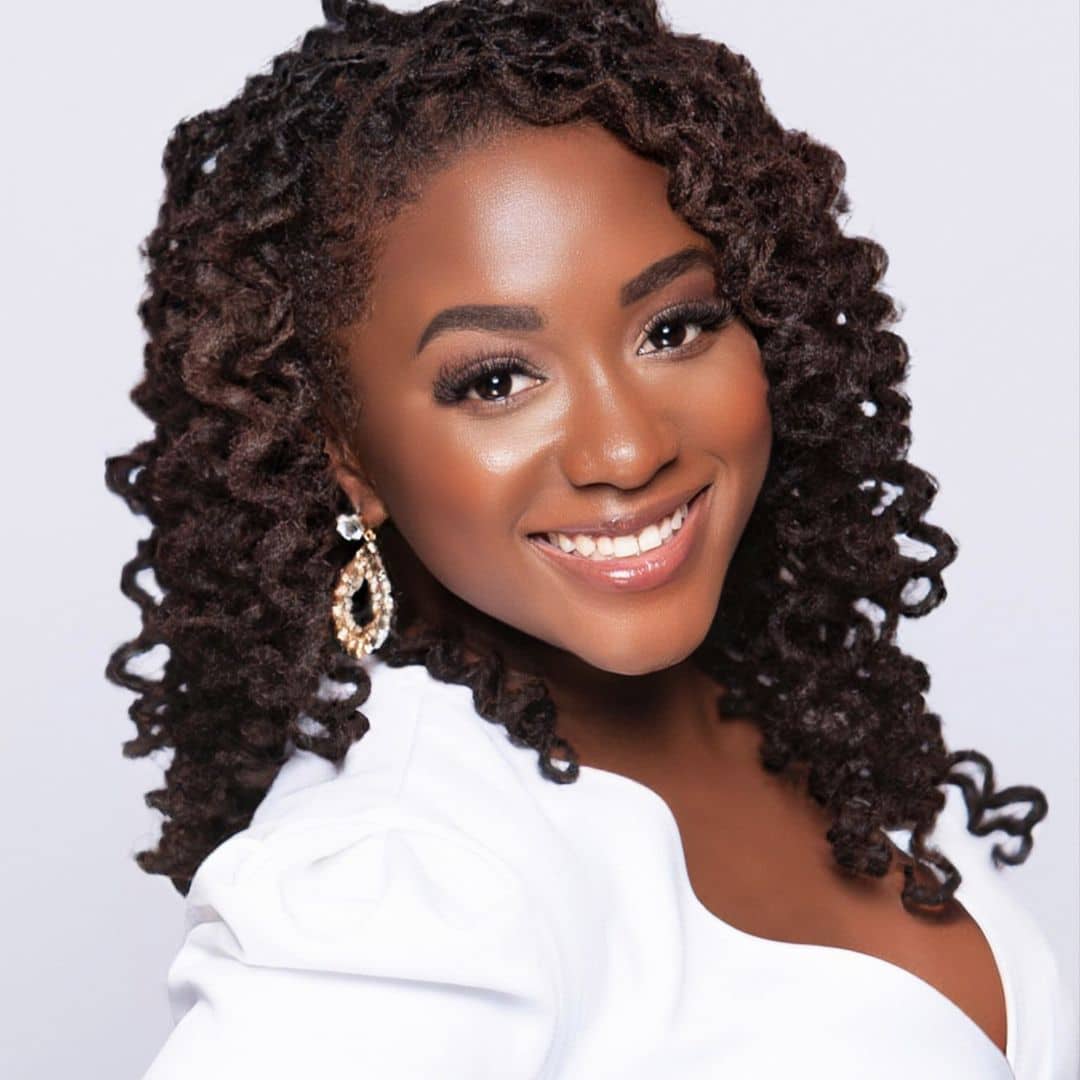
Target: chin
633 656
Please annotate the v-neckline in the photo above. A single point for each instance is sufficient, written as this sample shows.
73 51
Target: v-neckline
715 924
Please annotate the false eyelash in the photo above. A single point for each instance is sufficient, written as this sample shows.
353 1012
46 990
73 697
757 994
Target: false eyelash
708 314
451 386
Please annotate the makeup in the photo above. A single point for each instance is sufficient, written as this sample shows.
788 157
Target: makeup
634 573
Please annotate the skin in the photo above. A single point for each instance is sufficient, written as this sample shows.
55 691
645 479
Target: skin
560 219
606 431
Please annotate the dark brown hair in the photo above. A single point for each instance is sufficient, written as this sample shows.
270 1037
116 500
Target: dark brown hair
264 246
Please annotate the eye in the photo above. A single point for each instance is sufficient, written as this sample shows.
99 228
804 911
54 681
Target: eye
497 378
492 377
668 329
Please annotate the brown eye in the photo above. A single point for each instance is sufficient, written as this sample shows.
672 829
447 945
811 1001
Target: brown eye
492 377
495 385
671 329
671 333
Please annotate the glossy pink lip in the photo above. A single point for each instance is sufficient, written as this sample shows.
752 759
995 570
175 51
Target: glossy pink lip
639 572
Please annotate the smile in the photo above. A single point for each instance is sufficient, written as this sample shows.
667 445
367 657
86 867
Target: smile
636 561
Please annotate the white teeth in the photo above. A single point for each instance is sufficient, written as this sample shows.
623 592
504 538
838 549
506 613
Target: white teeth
584 544
606 547
649 538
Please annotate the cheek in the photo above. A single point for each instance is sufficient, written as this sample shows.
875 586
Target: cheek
454 489
731 415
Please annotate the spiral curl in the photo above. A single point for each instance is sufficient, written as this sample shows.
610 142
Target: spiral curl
264 244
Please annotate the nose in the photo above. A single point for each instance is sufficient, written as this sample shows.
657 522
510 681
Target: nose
617 433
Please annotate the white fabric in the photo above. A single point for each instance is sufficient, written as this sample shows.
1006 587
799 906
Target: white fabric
434 907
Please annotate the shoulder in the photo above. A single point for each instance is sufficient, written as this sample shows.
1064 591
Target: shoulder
1039 1001
377 943
427 753
381 891
425 799
374 768
367 902
353 866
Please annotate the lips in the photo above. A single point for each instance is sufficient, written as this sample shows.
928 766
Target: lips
635 573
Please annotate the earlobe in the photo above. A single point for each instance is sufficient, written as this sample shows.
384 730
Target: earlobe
351 477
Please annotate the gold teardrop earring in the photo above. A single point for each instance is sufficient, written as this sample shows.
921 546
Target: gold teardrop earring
365 568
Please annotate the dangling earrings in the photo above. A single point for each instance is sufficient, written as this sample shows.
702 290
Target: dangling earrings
365 567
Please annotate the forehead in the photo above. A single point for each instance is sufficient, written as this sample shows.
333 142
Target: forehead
537 211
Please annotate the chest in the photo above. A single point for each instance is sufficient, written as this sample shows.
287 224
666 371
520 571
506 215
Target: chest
758 859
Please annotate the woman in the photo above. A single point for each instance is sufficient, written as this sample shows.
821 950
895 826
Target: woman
508 363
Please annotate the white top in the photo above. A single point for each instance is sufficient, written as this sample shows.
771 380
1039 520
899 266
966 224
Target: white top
435 908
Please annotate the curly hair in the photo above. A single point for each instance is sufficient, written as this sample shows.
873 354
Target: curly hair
264 245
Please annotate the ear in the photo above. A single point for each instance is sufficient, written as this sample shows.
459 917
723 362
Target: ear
354 480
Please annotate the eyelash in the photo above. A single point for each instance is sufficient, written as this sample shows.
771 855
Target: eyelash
452 385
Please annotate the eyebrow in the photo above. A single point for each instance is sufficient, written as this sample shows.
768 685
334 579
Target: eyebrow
503 317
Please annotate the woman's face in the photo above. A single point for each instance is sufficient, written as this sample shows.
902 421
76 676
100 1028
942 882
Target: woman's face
557 246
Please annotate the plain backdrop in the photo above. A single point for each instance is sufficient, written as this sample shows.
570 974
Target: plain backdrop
958 122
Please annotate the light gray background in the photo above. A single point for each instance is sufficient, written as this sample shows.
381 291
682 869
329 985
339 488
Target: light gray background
958 121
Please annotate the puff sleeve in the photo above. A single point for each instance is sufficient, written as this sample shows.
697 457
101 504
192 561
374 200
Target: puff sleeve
359 947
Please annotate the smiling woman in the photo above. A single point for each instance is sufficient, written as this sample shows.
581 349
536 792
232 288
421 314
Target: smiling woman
540 303
623 408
